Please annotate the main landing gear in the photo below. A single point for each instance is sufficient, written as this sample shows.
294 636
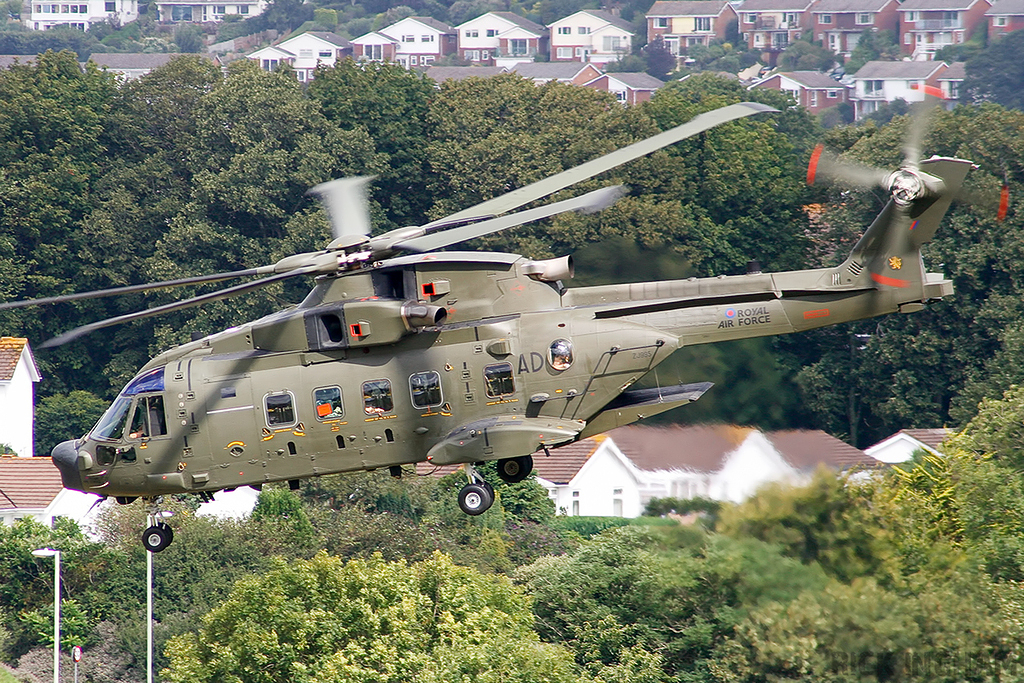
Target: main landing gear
477 496
159 534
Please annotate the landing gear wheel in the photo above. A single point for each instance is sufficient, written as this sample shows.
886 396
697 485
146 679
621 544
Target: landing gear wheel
157 537
513 470
476 499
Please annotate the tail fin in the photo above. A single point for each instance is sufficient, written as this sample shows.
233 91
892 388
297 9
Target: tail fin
889 253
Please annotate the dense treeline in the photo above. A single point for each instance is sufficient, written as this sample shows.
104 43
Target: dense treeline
187 172
911 575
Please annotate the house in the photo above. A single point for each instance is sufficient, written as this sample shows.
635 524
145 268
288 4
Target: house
618 473
951 81
927 26
82 15
628 88
683 24
440 74
304 53
31 487
7 61
18 376
501 39
838 24
878 83
811 90
375 47
1005 16
206 11
771 25
572 73
420 41
901 446
131 65
591 35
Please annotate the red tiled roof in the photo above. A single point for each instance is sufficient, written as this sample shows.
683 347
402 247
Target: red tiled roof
10 354
807 449
28 482
929 437
701 448
565 461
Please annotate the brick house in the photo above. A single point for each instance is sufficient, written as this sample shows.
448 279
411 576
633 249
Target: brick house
771 25
927 26
683 24
628 88
1005 16
501 39
811 90
838 24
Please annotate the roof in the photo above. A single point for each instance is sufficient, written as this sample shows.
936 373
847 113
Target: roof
812 79
774 5
132 60
1008 7
9 60
458 73
687 8
839 6
637 81
957 71
909 70
522 22
603 16
332 38
28 483
700 448
929 437
433 23
807 449
11 351
925 5
549 70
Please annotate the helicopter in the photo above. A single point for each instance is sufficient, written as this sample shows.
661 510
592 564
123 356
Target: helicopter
403 353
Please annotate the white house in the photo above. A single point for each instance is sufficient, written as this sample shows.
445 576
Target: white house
501 39
81 15
421 40
375 47
902 445
18 375
304 53
31 487
878 83
176 11
590 35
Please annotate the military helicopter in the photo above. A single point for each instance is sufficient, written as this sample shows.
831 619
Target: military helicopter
402 353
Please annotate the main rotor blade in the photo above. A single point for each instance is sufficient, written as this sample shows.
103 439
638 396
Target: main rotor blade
346 205
129 289
590 202
71 335
559 181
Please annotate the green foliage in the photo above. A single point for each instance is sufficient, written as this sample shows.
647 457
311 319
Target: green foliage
802 55
188 38
62 417
996 74
658 507
873 45
324 619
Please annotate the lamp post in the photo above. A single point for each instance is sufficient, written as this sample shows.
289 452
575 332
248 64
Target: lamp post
150 521
55 554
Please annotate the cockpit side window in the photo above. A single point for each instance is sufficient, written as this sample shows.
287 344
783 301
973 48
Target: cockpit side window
149 419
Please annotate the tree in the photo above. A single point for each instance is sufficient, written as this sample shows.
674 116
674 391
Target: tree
328 620
871 46
804 56
996 74
660 60
61 417
188 38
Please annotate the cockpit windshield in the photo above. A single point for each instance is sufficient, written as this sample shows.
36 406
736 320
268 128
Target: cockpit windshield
111 425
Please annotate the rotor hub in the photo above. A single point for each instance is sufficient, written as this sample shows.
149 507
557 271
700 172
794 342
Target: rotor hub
906 185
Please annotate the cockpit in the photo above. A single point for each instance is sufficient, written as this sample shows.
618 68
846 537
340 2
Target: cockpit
136 415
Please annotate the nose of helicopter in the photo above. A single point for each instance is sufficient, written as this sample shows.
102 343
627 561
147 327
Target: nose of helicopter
65 458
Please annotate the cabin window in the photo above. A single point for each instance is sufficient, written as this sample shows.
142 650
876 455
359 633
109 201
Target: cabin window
149 418
377 398
498 379
560 354
327 403
280 409
425 388
111 425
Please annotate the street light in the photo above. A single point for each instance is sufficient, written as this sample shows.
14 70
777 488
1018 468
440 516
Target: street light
55 554
151 520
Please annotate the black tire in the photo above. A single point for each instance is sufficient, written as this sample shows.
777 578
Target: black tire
513 470
156 538
475 499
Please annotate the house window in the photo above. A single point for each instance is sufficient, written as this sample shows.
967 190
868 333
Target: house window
184 13
583 30
243 9
219 9
491 32
911 16
325 53
564 53
660 22
427 38
751 18
280 409
373 52
832 94
484 55
873 87
408 39
790 19
814 98
825 19
564 31
518 47
327 403
377 398
620 95
267 64
110 7
498 380
301 75
613 43
425 388
953 90
473 55
864 18
472 34
414 60
426 60
999 21
907 38
582 52
702 24
758 39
